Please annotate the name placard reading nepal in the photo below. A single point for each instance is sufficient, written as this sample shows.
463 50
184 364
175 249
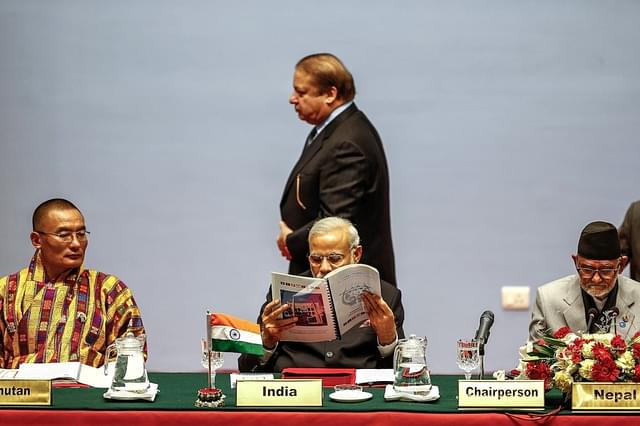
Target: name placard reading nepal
25 392
605 396
279 393
501 393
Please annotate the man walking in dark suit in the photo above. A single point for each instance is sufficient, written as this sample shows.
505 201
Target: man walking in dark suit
342 170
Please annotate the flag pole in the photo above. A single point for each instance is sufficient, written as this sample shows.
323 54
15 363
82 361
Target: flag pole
207 347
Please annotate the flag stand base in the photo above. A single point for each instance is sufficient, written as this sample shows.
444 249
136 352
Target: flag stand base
210 398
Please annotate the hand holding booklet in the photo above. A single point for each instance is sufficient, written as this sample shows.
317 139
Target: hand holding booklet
327 307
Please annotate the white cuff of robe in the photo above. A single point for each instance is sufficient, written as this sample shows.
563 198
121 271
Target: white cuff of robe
387 350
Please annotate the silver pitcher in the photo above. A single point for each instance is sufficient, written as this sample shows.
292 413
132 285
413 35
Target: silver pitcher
411 374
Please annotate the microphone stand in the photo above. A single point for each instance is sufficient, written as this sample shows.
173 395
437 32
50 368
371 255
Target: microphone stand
613 324
481 353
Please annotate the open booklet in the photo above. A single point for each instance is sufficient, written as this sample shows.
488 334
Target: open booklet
67 371
327 307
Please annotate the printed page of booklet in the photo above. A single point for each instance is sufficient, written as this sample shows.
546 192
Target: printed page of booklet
366 376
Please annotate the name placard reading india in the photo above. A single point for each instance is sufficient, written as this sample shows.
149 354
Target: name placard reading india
25 392
605 396
279 393
501 393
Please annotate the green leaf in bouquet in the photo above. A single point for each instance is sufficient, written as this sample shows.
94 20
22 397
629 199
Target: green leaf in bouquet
552 341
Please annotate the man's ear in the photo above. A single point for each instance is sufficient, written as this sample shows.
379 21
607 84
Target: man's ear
36 240
624 260
332 95
357 254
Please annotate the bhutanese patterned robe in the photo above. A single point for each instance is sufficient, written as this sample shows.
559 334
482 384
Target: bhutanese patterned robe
71 320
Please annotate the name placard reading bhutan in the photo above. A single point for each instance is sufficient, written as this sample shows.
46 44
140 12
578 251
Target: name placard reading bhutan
25 392
501 393
605 396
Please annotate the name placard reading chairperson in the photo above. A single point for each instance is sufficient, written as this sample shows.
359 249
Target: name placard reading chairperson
605 396
25 392
501 393
279 393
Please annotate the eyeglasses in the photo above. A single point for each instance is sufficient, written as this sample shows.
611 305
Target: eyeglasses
588 272
334 259
67 237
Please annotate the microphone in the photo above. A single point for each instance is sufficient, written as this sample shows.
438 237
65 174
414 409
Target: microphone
486 321
482 336
614 314
592 313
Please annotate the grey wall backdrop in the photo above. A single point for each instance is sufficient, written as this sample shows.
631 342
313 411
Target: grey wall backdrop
508 126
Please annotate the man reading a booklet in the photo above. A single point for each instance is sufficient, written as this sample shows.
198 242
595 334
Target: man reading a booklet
56 310
333 243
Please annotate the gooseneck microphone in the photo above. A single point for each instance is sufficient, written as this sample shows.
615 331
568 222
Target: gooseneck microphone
592 313
482 334
614 316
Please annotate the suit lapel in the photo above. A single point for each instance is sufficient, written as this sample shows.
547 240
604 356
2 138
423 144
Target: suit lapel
625 322
309 152
574 315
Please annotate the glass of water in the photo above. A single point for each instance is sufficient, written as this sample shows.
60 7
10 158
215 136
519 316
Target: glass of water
217 361
468 357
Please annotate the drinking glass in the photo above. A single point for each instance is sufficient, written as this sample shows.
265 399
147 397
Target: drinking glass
468 357
217 361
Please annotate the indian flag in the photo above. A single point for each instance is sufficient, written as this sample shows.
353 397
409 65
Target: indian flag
230 334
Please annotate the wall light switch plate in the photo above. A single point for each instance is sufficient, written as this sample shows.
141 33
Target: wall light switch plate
515 298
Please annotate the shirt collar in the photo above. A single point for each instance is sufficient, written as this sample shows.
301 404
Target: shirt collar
336 112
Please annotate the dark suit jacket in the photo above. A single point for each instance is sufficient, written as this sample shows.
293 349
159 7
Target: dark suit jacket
630 239
358 348
342 173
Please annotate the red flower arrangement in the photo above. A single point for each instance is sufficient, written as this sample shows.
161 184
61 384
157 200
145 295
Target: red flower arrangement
567 357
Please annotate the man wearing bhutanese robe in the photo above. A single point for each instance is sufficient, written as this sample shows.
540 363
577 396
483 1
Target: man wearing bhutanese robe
56 310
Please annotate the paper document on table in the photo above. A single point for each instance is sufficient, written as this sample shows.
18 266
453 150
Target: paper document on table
76 371
366 376
48 371
236 377
96 377
6 373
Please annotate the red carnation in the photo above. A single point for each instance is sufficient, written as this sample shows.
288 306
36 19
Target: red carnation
636 350
635 335
618 345
636 374
601 353
539 371
578 343
562 332
576 356
605 371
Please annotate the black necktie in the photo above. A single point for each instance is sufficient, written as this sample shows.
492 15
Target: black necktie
311 137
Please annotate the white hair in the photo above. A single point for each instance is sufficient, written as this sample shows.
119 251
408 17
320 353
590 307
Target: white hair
332 223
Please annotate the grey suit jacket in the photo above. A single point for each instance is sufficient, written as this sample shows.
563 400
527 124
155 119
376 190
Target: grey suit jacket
559 303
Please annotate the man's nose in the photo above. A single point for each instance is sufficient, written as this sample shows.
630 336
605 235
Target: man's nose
293 99
325 266
598 279
75 241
